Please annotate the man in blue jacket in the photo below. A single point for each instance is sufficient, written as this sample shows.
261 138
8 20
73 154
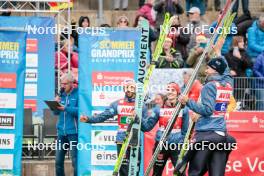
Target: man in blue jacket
124 109
67 124
210 126
162 115
256 38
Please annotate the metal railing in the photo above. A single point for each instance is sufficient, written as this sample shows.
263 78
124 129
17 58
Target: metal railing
249 93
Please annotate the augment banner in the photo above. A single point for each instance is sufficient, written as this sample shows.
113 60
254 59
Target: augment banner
12 77
106 59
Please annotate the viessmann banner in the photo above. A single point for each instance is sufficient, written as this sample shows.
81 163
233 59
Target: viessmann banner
106 59
12 76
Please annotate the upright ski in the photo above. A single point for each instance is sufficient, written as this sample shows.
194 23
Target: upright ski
135 129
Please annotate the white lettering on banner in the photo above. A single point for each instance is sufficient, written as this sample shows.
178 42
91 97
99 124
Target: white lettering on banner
259 165
7 141
103 137
104 158
9 54
31 90
7 121
255 165
235 166
97 53
105 98
6 162
101 173
8 100
31 60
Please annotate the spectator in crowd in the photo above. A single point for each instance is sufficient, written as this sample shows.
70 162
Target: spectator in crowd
256 38
84 21
244 22
122 22
63 64
147 10
119 3
180 39
152 34
244 6
159 99
196 88
258 71
237 58
196 25
67 124
163 6
195 54
169 58
200 4
239 63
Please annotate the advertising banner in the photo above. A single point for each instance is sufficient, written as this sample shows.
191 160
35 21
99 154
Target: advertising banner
12 77
106 59
40 49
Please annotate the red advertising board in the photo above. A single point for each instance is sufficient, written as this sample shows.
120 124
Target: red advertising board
7 80
247 160
32 45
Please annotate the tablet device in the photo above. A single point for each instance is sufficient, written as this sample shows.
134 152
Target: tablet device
52 104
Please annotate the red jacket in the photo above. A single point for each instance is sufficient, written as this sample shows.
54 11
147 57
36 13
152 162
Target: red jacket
195 90
64 62
148 11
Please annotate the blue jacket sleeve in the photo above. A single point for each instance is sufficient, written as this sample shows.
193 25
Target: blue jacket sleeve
148 122
144 116
185 121
206 107
252 44
257 66
109 112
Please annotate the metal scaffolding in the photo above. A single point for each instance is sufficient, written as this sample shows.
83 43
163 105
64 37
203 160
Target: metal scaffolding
43 8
